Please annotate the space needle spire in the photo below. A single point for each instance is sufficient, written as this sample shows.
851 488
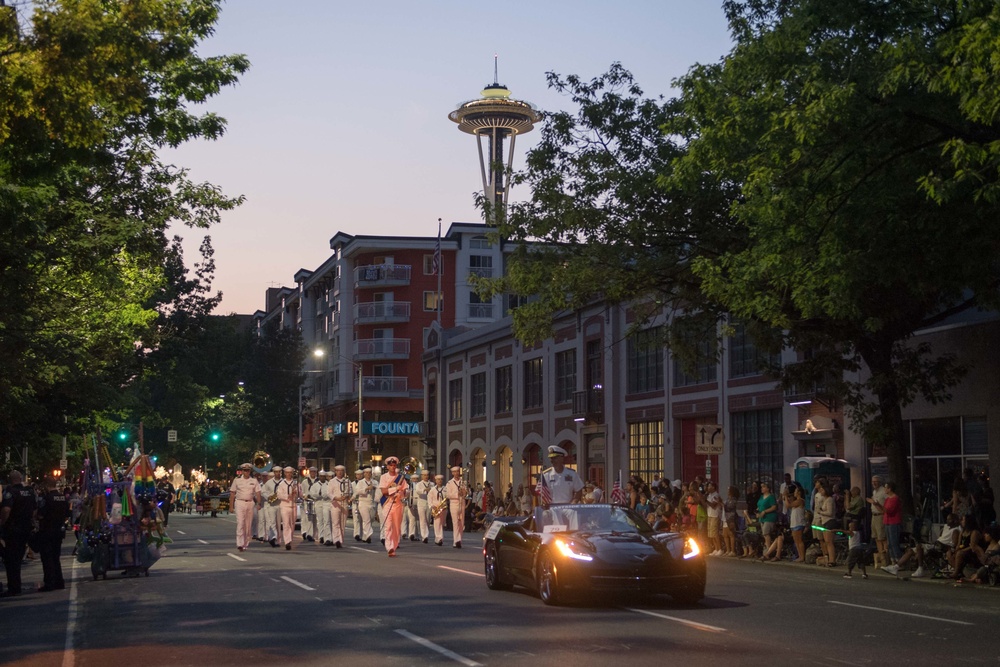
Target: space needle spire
495 117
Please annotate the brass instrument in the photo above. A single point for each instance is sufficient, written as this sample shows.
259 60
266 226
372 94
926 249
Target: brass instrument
261 462
273 499
410 466
440 507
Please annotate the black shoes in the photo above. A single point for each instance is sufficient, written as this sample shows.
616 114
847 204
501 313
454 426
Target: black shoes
425 540
338 545
357 538
288 547
383 543
458 545
440 544
368 541
274 543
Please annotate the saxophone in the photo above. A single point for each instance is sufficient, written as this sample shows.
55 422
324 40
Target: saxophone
441 506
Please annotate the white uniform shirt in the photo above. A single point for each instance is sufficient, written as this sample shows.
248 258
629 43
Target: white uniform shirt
339 489
422 488
244 488
318 490
562 485
288 491
365 490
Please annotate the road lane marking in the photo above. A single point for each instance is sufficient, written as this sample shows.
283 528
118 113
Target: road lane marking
426 643
181 532
455 569
369 551
901 613
298 583
69 653
203 541
242 560
682 621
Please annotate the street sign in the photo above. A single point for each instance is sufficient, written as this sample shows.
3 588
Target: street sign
171 436
310 450
709 440
708 468
361 445
63 464
302 462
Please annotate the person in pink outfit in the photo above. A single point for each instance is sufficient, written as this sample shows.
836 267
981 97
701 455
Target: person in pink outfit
394 488
244 496
288 493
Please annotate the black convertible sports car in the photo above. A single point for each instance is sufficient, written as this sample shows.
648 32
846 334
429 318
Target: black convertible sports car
564 551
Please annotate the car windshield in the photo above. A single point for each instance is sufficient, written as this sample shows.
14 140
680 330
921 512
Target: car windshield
592 518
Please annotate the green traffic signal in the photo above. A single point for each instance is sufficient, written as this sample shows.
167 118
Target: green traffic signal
123 435
216 436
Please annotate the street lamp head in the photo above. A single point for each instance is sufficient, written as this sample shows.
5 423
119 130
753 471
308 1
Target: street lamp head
319 352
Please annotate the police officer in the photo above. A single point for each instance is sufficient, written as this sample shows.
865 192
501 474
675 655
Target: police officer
340 490
358 474
17 509
434 499
53 510
319 494
268 531
421 489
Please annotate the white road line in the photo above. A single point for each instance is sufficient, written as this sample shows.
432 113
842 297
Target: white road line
181 532
69 653
455 569
682 621
426 643
901 613
242 560
203 541
298 583
370 551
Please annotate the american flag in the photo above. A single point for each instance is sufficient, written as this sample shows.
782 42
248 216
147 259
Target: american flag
618 494
543 491
436 263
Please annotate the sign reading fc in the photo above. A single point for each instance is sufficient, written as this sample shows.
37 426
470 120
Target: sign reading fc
375 428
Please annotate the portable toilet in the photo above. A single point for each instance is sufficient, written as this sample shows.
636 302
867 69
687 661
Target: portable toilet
808 468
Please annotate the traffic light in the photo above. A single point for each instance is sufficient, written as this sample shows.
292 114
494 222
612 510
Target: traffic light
215 436
123 435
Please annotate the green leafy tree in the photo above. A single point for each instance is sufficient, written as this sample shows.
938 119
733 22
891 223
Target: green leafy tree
89 92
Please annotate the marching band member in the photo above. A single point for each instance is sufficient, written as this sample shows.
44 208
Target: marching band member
365 495
410 512
455 491
377 506
355 495
319 494
339 491
434 498
394 487
421 489
268 529
288 493
244 494
308 520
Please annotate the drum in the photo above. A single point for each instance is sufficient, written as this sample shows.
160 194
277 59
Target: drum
310 508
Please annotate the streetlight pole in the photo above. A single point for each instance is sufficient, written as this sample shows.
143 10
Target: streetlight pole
318 354
361 412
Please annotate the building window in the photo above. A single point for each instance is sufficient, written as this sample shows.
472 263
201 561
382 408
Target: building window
479 308
757 447
481 265
745 358
429 265
432 301
504 390
941 450
533 383
645 361
645 449
477 391
480 243
455 400
565 376
704 369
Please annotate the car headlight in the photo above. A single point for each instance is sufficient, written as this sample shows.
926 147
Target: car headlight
570 550
691 548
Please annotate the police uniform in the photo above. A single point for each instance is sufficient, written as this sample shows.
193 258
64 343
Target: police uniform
365 493
410 520
420 491
434 498
244 494
268 528
53 510
288 493
339 490
321 506
455 491
16 512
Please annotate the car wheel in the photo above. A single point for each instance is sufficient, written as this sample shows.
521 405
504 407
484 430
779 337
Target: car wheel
548 585
493 578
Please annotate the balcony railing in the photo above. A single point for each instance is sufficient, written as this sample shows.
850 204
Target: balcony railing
480 311
384 386
481 271
334 321
382 311
381 275
588 405
382 348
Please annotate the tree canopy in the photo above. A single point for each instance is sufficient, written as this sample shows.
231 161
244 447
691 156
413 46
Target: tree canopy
833 177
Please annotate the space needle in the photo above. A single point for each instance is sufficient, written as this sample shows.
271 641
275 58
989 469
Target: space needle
495 117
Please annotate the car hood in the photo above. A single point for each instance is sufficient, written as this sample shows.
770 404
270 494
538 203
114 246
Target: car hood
610 545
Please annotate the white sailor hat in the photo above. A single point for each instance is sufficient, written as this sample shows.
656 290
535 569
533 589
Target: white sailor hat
339 467
425 471
414 476
555 450
358 471
288 469
438 476
313 469
323 473
392 459
246 466
276 469
454 468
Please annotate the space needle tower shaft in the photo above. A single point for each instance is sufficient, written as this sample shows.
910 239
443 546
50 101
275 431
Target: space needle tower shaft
494 118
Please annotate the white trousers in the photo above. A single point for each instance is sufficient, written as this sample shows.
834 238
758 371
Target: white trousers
322 521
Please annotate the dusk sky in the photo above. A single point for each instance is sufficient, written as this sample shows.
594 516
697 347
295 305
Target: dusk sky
341 124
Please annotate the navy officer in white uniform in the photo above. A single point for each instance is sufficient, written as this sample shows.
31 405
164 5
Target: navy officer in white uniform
564 484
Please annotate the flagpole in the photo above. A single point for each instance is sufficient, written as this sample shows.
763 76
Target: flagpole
440 270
